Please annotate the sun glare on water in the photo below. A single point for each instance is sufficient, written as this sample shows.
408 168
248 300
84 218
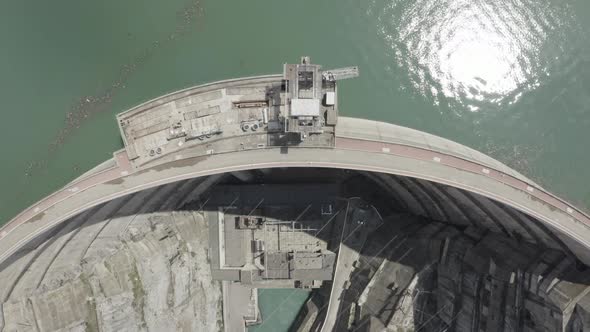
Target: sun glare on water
471 52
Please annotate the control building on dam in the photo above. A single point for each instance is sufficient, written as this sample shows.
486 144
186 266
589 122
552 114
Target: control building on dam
230 187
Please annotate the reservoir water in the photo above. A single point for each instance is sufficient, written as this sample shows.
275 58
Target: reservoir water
508 77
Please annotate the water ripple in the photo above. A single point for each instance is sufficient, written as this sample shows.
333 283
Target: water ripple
474 53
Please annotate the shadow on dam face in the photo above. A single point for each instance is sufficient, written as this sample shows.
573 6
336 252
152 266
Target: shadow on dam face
435 258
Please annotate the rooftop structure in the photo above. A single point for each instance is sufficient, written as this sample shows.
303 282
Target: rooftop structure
300 109
272 245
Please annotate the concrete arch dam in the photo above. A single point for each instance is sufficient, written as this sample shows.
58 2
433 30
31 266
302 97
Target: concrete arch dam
234 186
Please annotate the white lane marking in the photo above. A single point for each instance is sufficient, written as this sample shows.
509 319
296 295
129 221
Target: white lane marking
436 159
485 171
73 189
530 189
36 209
124 173
569 210
386 150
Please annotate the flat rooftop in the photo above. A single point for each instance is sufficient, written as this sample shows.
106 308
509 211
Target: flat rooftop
298 108
272 239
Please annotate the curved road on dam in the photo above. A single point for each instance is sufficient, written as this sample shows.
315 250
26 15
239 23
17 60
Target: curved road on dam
359 145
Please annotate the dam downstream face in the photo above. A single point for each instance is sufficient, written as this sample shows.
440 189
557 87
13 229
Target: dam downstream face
420 255
231 188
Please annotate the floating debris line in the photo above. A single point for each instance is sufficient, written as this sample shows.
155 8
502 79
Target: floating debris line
87 106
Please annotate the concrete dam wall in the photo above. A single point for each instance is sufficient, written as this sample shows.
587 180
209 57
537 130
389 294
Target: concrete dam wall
253 183
441 257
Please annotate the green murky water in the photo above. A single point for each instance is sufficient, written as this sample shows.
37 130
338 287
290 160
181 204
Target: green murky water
279 308
508 77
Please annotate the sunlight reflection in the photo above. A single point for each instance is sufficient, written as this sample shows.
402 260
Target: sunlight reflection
472 52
